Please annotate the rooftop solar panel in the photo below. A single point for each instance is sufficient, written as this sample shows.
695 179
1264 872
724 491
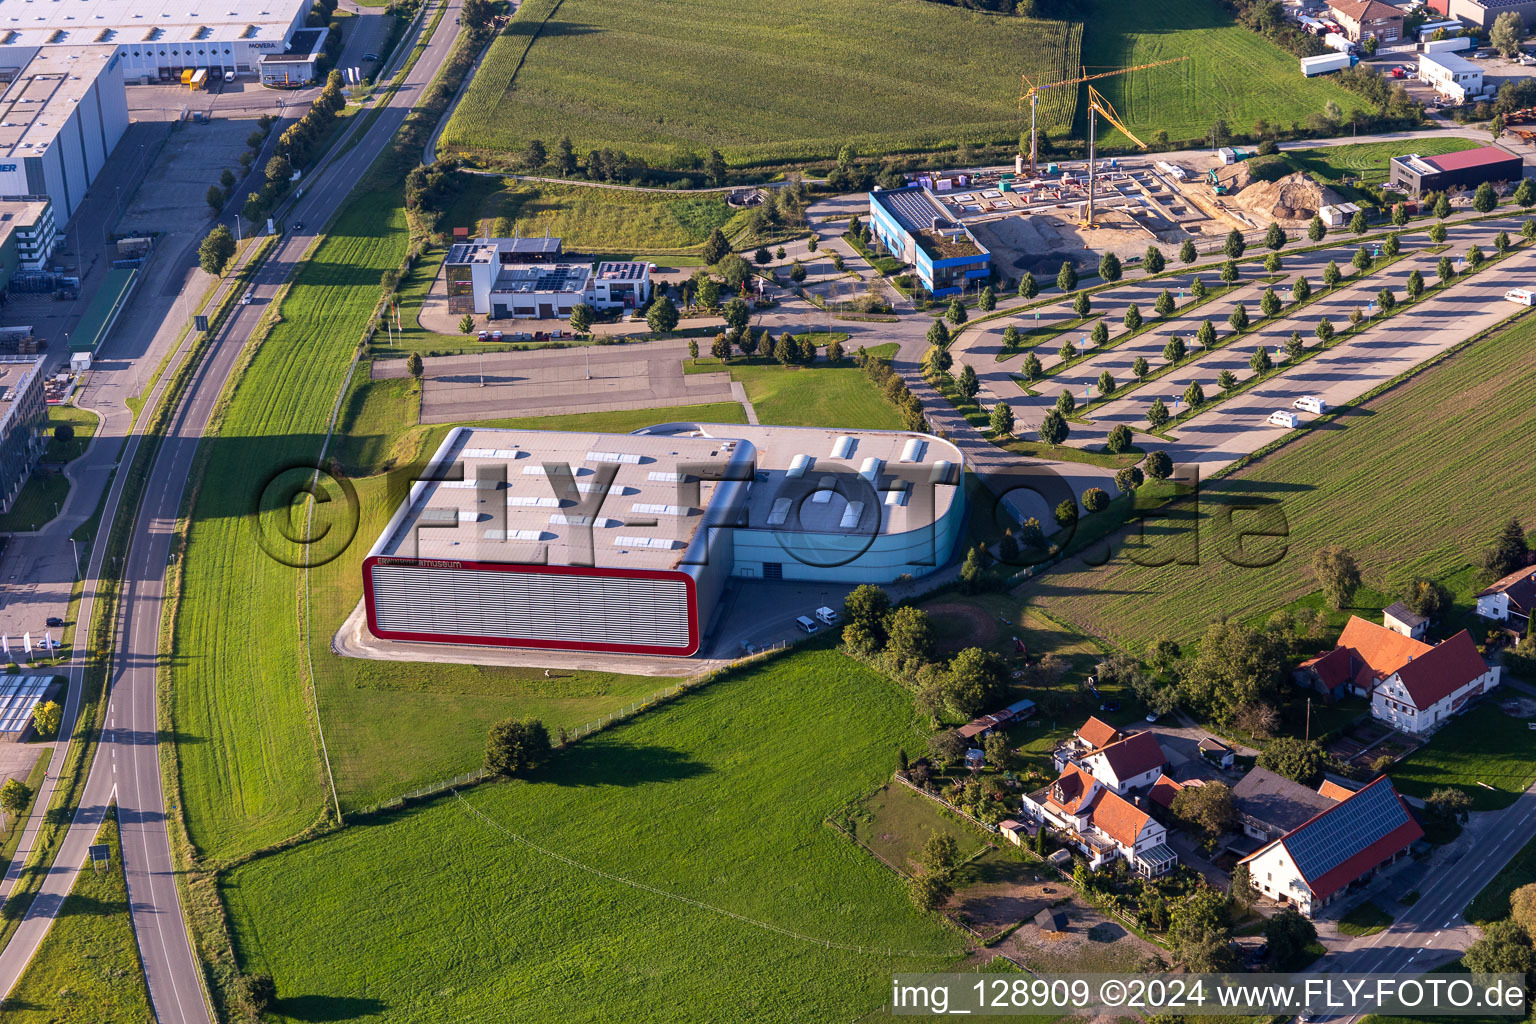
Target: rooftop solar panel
1337 834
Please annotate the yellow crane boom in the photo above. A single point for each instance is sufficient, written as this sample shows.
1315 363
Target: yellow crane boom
1099 107
1030 91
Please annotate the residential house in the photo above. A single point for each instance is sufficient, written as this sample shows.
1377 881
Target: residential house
1217 752
1365 655
1435 686
1269 805
1313 864
1101 824
1399 618
1120 760
1367 19
1511 599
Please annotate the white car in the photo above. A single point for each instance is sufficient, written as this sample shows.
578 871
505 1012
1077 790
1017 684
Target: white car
1282 418
1151 716
1310 403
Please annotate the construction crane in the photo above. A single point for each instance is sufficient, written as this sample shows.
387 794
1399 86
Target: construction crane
1099 107
1030 91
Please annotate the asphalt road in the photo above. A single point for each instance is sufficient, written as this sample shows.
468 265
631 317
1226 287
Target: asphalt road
1432 932
127 763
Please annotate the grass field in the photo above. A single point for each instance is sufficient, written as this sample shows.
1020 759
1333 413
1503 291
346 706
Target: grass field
719 798
1481 749
87 969
1367 161
670 80
1492 904
250 767
601 220
895 822
1342 484
821 395
1231 73
45 490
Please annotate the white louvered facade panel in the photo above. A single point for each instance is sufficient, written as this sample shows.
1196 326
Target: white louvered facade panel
520 606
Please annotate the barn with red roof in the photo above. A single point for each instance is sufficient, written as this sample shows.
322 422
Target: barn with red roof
1316 862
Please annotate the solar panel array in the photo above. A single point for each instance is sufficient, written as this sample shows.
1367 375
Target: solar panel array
18 696
1338 834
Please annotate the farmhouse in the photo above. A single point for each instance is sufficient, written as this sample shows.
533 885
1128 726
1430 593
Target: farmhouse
1312 864
1434 686
1510 599
624 542
1412 685
1470 167
916 229
1102 825
1365 655
1269 805
1121 761
1367 19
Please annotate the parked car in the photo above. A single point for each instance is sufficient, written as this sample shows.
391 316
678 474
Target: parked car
55 621
1110 705
496 335
827 616
298 225
229 76
483 336
805 624
1152 716
1521 296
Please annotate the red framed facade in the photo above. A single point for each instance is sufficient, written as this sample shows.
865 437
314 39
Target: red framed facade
536 643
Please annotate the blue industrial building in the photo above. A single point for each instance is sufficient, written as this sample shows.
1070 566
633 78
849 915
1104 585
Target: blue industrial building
916 229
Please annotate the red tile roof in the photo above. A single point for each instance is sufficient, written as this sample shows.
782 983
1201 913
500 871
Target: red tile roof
1134 755
1333 669
1520 586
1442 670
1098 734
1378 651
1118 818
1070 787
1364 10
1334 791
1163 791
1481 157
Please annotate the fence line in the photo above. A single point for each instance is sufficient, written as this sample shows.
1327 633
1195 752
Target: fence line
591 728
943 803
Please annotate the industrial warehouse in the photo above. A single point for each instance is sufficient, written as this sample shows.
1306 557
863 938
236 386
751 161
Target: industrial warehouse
625 542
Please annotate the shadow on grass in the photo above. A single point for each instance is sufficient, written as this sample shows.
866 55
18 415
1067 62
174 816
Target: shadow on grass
329 1008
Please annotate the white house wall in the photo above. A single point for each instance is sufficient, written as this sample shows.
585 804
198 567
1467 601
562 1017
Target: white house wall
1275 874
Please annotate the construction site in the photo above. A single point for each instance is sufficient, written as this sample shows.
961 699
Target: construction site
1043 213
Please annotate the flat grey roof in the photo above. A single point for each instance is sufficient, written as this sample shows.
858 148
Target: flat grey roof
1455 63
84 21
642 522
46 88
